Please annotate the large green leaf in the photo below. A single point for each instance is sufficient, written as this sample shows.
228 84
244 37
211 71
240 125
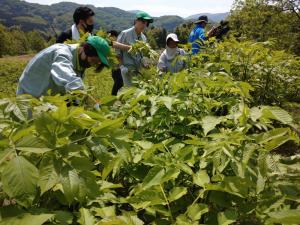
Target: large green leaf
46 126
167 101
154 177
291 216
19 107
4 155
81 163
209 123
19 178
61 113
78 186
105 212
177 193
146 198
31 143
27 219
232 185
48 174
122 220
201 178
195 211
227 217
276 137
277 113
63 217
86 217
171 173
70 183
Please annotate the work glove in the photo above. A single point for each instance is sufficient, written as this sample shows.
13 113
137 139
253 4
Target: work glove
212 32
97 106
124 70
146 62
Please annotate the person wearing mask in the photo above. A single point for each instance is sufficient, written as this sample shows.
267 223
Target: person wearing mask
198 36
169 60
130 65
83 18
60 67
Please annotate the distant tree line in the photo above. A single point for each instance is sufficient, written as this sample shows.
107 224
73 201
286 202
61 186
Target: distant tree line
14 41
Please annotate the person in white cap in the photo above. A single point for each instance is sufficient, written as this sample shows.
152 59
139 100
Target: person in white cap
168 60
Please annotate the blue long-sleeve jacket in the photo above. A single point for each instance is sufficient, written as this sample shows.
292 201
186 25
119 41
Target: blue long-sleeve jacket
197 36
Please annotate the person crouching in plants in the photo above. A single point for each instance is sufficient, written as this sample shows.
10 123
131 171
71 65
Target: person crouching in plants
60 67
169 60
130 64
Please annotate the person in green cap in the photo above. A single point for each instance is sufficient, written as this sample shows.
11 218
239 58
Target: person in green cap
129 62
60 67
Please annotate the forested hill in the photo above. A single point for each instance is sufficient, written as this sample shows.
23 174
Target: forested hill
35 16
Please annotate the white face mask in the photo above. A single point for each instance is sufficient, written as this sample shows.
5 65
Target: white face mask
171 52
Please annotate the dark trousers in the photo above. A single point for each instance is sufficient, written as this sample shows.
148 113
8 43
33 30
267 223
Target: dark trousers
118 81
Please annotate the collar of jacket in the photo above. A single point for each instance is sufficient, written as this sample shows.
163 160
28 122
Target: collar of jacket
78 67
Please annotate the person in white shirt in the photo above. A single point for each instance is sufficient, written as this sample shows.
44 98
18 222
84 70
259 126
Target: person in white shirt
169 60
83 18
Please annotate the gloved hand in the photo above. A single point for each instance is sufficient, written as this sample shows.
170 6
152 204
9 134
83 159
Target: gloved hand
97 106
146 62
124 70
212 32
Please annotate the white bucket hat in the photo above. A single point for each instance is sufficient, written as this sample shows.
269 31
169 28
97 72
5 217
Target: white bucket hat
173 37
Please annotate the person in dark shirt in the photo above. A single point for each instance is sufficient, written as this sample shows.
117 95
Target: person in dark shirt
83 18
116 74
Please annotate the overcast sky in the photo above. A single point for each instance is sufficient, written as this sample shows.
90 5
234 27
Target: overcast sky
182 8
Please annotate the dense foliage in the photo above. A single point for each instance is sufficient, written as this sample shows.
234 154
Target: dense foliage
14 41
183 149
263 20
274 75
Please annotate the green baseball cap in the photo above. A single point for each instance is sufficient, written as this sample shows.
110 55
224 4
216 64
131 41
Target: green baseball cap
144 16
101 46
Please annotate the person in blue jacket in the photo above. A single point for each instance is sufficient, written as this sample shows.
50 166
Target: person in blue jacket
198 35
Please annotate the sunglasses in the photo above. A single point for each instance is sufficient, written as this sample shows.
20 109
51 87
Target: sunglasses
144 21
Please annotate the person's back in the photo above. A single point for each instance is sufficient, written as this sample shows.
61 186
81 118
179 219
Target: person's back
39 75
65 35
197 38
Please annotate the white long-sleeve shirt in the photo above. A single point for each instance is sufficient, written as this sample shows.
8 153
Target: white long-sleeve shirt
174 65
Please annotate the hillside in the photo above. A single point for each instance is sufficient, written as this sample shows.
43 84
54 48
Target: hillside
31 16
216 17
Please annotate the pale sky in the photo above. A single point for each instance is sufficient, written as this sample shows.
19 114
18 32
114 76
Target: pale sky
181 8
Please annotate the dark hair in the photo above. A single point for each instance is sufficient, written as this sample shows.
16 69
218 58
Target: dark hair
89 50
82 13
169 40
113 33
99 68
